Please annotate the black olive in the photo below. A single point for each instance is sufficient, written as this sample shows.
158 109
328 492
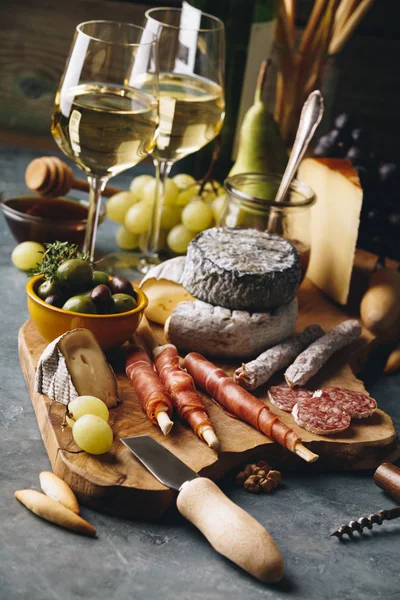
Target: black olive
55 300
48 288
101 297
121 285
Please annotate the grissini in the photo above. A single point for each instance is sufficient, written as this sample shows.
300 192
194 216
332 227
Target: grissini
243 405
51 510
58 490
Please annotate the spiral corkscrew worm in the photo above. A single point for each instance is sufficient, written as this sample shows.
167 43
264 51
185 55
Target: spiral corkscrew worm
366 522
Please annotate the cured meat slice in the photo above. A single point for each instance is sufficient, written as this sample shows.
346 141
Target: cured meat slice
242 269
253 374
152 396
243 405
284 397
181 389
309 362
322 416
358 404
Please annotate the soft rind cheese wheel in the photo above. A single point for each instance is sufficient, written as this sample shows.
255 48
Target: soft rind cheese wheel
242 269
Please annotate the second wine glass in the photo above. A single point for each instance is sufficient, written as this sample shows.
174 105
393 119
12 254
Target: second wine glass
106 109
191 46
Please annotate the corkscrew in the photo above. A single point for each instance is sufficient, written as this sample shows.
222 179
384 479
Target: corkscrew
387 476
367 522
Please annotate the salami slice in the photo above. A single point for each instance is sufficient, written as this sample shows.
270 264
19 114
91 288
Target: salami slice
358 404
284 397
319 415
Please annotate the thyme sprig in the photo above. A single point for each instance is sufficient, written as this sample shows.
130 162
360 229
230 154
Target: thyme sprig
54 254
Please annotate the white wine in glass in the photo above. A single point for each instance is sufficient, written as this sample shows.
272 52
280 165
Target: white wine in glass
191 48
106 109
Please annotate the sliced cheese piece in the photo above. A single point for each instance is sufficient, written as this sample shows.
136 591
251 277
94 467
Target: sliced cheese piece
74 365
162 287
335 220
216 331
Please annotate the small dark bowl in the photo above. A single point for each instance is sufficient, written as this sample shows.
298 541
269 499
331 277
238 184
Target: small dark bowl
43 219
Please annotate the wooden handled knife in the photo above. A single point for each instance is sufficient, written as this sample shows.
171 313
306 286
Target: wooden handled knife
230 530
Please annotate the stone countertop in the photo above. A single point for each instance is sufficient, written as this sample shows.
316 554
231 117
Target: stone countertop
169 558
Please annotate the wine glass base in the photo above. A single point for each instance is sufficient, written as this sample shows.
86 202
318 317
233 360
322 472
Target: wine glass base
132 265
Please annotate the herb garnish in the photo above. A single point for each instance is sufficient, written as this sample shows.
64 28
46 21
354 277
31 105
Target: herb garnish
54 254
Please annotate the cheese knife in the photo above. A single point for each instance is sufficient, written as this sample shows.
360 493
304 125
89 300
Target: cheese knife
230 530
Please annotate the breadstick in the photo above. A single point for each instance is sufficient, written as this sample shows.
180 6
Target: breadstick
51 510
56 488
309 362
253 374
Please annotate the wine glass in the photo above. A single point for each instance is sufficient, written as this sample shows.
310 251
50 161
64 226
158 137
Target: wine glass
191 47
106 108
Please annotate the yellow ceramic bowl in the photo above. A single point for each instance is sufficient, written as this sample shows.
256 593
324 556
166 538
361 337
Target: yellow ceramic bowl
110 330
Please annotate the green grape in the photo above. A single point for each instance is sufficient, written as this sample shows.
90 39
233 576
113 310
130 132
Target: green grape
179 238
162 240
92 434
27 255
197 215
125 239
170 216
218 207
171 192
183 181
186 195
137 219
138 184
118 205
86 405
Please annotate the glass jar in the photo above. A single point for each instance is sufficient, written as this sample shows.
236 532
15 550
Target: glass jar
251 202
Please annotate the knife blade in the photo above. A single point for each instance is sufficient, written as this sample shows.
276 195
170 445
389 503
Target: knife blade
161 463
229 529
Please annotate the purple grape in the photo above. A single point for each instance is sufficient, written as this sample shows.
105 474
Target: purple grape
360 137
356 155
343 121
388 172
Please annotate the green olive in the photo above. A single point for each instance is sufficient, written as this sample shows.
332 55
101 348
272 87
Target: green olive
48 288
123 303
99 278
80 304
75 273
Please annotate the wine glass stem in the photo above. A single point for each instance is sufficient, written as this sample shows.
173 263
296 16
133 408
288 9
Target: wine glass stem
97 185
163 168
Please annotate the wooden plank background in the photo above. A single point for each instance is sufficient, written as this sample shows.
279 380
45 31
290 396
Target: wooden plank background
35 36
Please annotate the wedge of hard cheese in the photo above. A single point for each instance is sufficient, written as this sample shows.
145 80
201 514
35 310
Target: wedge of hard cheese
74 365
162 286
335 221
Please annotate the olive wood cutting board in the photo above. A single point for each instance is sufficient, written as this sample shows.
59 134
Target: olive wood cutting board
117 483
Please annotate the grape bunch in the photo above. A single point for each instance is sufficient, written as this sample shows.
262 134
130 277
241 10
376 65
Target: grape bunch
380 217
186 211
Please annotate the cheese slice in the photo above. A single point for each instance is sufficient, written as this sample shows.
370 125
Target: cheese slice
162 286
74 365
335 219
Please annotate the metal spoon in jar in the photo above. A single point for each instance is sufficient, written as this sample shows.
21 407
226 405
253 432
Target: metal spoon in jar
310 117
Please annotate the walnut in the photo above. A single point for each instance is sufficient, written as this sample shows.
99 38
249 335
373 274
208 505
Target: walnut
259 477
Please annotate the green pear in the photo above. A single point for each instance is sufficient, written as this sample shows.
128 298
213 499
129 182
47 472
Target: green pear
261 147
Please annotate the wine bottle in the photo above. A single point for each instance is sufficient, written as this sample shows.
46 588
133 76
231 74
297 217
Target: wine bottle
249 31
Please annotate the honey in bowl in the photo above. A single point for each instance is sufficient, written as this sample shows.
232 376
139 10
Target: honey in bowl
46 219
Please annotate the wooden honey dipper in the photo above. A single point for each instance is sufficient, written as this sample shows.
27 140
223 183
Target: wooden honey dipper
50 176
